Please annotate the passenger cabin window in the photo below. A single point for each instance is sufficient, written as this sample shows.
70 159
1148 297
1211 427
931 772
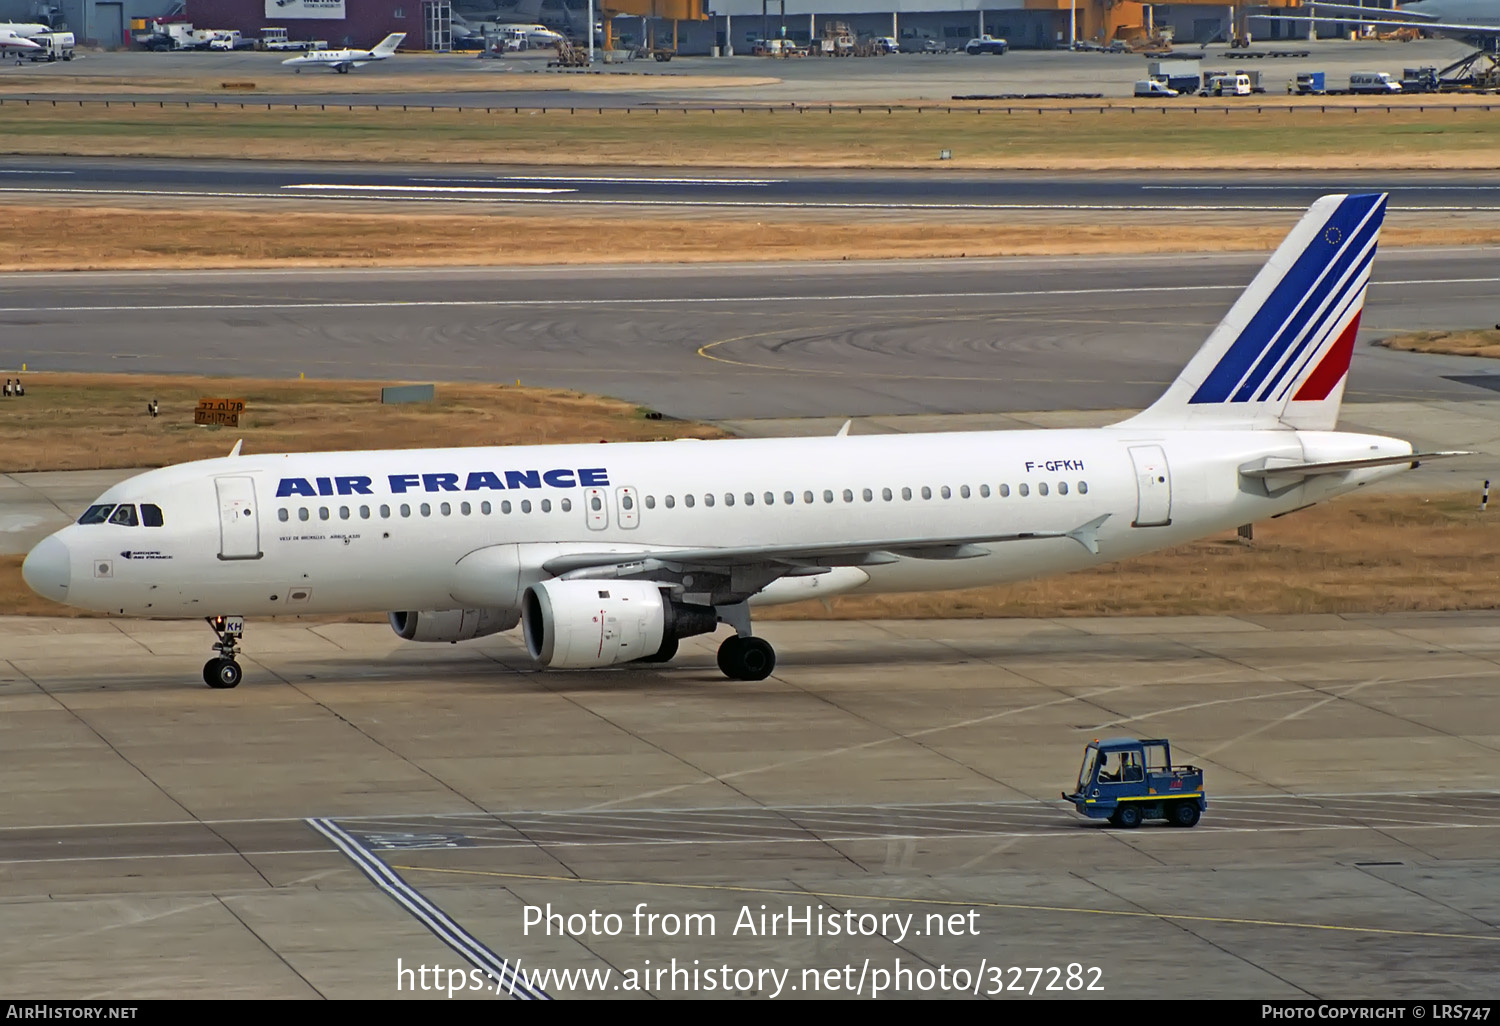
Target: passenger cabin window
96 514
283 515
984 491
567 505
1023 489
1083 487
124 516
1005 491
1041 488
151 515
1062 488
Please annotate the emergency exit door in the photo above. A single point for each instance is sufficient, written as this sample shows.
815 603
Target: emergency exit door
596 508
1153 483
239 523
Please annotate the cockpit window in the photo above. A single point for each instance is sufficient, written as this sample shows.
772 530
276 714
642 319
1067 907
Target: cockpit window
151 514
96 514
124 516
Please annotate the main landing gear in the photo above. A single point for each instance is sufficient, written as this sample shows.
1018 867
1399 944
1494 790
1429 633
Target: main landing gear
743 657
746 658
223 671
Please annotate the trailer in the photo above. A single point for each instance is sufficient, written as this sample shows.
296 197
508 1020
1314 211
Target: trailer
1183 75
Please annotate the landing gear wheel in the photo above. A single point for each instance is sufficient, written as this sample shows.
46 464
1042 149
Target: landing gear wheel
664 654
222 673
1126 817
1185 814
746 658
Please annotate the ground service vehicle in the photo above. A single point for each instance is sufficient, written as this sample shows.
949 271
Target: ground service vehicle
1128 780
1373 82
1183 75
1152 87
986 44
1420 80
1227 85
54 46
1312 83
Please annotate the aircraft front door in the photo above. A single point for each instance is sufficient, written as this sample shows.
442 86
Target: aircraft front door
239 522
1153 482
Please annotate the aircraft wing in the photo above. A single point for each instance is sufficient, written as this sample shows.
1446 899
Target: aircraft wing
1435 26
1357 13
804 558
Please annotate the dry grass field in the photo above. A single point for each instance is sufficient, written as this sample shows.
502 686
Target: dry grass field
89 421
1479 342
110 238
1123 137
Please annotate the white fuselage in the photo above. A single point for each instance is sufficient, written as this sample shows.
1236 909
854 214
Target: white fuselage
471 527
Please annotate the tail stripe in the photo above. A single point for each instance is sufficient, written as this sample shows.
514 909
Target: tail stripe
1334 366
1351 297
1354 299
1340 285
1292 301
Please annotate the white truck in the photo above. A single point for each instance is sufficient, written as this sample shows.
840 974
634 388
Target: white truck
55 46
1373 82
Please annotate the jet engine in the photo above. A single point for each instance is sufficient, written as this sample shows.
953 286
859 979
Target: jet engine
452 625
582 624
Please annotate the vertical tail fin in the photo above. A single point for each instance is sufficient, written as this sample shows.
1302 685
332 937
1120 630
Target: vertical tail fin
388 45
1280 357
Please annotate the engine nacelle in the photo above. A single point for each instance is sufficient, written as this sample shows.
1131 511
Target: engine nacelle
452 625
582 624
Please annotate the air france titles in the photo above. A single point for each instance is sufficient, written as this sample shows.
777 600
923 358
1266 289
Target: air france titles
470 481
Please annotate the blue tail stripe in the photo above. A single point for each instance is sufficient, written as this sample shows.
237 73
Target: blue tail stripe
1285 298
1335 312
1312 305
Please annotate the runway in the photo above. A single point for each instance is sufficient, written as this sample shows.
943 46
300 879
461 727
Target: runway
721 342
896 778
1183 195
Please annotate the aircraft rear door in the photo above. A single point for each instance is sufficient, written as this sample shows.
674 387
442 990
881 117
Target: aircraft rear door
239 521
1153 482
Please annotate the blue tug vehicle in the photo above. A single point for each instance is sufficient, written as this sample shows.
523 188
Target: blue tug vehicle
1127 780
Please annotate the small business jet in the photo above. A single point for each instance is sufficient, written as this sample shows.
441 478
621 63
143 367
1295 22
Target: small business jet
342 60
10 39
609 554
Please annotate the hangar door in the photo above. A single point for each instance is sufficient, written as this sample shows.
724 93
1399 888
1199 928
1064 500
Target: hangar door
107 25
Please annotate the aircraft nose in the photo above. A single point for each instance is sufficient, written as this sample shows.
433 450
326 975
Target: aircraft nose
48 569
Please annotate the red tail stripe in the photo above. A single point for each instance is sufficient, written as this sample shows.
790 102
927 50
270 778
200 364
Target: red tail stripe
1331 370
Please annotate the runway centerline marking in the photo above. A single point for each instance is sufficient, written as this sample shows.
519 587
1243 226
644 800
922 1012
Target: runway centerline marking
597 180
888 898
671 300
482 189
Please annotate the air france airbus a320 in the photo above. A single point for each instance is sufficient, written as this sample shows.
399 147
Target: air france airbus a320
608 554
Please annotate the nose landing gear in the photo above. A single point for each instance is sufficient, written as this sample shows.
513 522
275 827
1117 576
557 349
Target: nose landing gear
223 671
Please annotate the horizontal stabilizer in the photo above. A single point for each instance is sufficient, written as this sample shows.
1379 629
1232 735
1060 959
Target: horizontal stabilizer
1266 469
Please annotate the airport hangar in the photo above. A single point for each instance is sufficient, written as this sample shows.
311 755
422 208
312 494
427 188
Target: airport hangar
703 27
